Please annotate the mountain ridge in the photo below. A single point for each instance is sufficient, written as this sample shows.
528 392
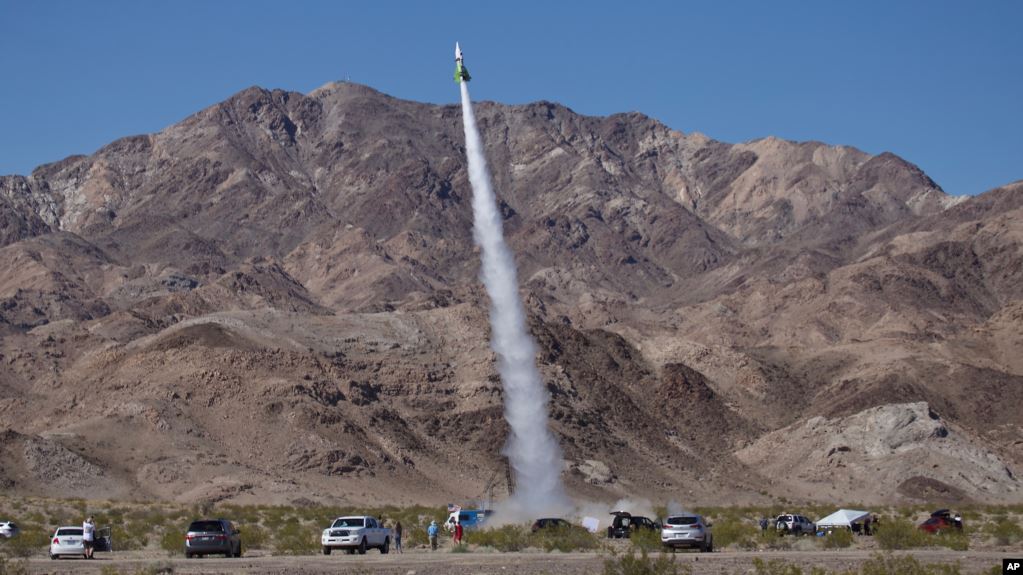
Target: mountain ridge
305 263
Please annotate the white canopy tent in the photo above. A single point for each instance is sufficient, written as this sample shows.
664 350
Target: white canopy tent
843 518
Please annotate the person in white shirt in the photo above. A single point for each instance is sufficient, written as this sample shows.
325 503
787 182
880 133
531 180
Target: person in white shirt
88 536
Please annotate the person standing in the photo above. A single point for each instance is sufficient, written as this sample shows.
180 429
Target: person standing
397 537
88 536
458 533
431 532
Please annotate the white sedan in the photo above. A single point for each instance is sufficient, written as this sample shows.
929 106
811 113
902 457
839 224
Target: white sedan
67 541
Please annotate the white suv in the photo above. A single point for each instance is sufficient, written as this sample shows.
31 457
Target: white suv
794 524
8 529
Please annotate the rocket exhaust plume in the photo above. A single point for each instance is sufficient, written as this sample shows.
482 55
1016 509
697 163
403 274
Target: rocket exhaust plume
533 453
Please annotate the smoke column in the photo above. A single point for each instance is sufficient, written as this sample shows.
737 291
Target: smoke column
532 451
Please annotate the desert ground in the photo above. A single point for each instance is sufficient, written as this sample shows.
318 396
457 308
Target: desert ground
422 562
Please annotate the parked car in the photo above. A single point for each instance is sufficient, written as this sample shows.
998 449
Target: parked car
549 523
690 531
356 533
794 524
8 529
624 523
67 541
469 519
942 520
208 536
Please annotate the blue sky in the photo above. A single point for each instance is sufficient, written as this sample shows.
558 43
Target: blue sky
939 83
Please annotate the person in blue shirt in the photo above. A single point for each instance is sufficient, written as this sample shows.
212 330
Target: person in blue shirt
431 532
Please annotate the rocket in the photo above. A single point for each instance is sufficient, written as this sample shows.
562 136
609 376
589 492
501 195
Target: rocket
461 72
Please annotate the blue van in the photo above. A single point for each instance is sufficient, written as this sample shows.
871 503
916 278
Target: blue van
471 518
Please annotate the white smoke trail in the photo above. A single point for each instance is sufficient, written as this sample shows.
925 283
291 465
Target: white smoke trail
533 453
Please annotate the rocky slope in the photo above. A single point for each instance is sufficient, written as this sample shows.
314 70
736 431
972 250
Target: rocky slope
277 298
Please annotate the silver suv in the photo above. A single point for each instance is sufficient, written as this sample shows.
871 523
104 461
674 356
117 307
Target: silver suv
794 524
691 531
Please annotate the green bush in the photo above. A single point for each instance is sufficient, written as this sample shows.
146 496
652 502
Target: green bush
254 536
294 538
837 539
564 539
951 538
129 538
737 532
1004 531
645 539
899 533
630 564
505 538
32 540
173 540
461 548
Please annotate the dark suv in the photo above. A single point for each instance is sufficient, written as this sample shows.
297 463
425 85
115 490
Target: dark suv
213 536
625 523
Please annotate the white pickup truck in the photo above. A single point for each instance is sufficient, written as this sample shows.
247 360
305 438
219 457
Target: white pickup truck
356 533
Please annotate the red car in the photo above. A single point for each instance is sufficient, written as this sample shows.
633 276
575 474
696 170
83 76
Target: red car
941 520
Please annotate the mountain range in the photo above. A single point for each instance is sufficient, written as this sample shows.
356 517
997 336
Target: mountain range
277 300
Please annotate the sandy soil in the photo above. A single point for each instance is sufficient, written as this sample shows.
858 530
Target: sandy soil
442 562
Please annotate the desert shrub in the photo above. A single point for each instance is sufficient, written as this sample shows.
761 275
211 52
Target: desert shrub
898 533
152 517
152 569
564 539
505 538
1004 531
734 531
953 539
461 548
241 514
129 538
13 567
645 539
630 564
33 540
173 540
254 536
778 567
837 539
889 564
295 538
413 535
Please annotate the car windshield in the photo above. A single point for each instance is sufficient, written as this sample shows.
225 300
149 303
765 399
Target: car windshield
69 531
682 520
349 522
207 526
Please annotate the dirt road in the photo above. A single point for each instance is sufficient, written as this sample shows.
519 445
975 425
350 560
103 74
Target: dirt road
480 563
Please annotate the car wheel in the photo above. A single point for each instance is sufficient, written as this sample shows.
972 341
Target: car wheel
189 555
53 557
362 546
326 550
238 553
386 546
710 545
